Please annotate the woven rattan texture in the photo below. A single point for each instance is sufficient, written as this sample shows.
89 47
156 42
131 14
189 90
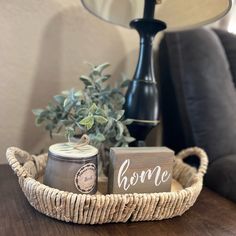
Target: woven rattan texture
99 209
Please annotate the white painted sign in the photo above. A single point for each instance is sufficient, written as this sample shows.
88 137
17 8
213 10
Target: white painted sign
140 170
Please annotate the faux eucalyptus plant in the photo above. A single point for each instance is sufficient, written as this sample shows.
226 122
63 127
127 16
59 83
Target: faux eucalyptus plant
96 110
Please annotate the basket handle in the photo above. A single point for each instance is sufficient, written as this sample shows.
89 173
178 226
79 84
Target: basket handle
12 155
200 153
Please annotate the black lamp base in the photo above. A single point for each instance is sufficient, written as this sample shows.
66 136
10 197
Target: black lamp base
142 95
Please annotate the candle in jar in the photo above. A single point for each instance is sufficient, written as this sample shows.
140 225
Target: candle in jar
72 168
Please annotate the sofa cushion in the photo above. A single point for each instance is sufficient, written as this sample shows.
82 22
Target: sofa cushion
221 176
228 41
204 89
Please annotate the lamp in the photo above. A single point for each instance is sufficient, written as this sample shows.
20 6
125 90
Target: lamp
149 17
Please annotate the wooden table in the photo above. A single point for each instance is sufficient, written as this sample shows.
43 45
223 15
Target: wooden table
211 215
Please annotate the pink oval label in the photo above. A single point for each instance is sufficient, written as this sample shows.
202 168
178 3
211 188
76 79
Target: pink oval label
85 178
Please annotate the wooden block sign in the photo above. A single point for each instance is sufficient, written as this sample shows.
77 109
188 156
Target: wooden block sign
140 170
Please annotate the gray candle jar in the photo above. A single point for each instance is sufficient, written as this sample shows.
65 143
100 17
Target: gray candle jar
72 168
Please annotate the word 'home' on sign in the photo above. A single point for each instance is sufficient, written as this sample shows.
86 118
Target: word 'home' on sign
140 170
156 174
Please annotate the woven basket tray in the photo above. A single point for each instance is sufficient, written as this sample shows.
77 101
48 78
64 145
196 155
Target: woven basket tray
99 209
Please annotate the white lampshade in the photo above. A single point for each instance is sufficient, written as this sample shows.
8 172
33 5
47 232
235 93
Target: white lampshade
177 14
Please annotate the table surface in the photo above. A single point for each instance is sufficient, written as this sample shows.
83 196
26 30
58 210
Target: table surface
211 215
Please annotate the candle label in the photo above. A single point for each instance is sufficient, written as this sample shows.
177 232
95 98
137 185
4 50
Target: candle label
85 178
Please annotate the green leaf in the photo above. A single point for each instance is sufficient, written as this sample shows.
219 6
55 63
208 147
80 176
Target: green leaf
66 102
90 87
115 90
93 108
129 139
100 112
78 94
50 107
118 103
125 83
100 119
120 114
109 125
100 137
120 130
86 80
71 95
87 122
103 79
66 122
99 69
124 145
65 92
78 103
69 132
112 133
128 121
82 112
38 121
38 112
118 144
59 99
79 126
52 115
50 126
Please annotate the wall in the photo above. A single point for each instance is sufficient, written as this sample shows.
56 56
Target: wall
43 45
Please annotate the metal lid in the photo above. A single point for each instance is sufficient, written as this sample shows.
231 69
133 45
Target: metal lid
74 150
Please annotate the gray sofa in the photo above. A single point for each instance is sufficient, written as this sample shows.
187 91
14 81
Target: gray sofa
198 100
